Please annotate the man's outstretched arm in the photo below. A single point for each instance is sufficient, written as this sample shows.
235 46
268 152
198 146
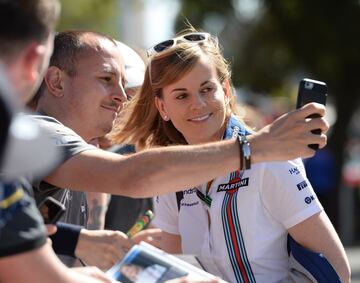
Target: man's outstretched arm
168 169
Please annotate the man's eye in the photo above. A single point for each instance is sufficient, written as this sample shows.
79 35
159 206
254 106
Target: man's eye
106 79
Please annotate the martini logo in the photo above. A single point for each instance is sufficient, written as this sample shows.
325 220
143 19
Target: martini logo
233 185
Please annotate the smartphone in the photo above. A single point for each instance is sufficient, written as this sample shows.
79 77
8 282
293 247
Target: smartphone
312 91
51 210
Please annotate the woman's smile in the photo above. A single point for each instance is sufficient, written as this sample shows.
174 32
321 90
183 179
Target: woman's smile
200 118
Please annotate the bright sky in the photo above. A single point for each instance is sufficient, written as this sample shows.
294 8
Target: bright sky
144 23
159 20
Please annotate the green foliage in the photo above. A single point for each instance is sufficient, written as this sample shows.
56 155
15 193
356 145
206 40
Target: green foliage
289 38
319 38
98 15
196 11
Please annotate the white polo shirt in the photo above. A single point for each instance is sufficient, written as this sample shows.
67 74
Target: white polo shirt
243 234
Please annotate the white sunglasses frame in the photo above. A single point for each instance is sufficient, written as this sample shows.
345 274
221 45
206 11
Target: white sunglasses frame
152 50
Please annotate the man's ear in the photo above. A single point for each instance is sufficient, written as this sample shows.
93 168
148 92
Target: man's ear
159 103
54 81
32 60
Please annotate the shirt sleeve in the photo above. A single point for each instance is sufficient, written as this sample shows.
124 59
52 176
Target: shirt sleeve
166 213
287 193
63 137
69 143
22 225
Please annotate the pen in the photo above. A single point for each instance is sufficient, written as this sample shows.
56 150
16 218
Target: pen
141 223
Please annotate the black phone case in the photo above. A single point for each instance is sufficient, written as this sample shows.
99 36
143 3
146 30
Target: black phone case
51 210
312 91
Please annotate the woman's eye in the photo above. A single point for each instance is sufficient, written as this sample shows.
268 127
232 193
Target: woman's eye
181 96
207 89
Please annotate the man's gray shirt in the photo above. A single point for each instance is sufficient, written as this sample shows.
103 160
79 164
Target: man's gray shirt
71 144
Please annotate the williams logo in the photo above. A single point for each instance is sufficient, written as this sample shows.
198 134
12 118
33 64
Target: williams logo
309 199
232 186
294 170
302 185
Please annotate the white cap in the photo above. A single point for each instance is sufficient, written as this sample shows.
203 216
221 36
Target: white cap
25 148
134 66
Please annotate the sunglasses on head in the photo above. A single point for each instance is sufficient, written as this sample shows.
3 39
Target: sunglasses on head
194 37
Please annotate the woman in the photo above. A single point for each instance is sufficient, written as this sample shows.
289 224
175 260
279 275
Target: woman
237 224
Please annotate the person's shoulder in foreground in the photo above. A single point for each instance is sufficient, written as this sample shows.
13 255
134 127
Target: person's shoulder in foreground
26 34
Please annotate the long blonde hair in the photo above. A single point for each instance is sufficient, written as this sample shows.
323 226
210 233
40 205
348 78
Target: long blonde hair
141 123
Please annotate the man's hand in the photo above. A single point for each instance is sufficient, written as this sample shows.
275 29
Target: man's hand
188 279
93 273
51 229
151 236
102 248
288 136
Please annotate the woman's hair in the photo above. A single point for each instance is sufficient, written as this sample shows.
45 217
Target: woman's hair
141 123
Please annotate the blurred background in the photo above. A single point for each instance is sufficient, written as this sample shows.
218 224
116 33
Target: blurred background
271 44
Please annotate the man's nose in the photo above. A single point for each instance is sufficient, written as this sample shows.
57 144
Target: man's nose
119 94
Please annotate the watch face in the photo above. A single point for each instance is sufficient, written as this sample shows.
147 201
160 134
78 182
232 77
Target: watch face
246 150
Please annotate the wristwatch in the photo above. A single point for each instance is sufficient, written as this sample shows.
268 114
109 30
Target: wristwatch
246 152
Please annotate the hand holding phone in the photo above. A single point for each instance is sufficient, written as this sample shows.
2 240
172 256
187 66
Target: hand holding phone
51 210
312 91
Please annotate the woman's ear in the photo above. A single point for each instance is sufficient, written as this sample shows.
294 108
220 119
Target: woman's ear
226 88
54 79
159 103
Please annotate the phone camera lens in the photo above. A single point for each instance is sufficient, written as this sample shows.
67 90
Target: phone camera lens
309 85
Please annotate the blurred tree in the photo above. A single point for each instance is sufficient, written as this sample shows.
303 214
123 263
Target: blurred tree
97 15
285 40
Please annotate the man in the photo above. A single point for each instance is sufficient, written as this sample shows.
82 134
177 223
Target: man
26 38
83 90
91 244
121 205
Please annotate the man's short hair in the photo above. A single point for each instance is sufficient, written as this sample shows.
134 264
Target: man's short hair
70 46
22 21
